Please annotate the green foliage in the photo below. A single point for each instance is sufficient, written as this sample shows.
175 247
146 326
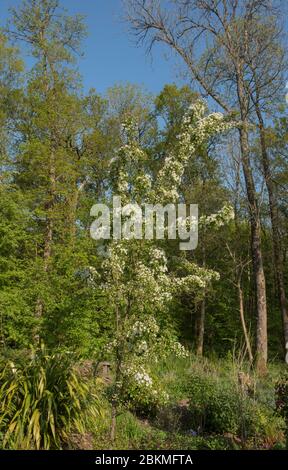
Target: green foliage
214 408
128 302
42 401
61 34
141 397
282 399
282 394
16 310
253 419
219 405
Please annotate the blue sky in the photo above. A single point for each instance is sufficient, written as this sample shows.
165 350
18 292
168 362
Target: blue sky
110 54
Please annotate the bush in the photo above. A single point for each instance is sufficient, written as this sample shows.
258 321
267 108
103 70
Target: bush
139 391
214 406
42 401
219 406
281 389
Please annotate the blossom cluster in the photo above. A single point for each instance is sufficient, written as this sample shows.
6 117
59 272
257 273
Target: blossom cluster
149 283
140 328
158 261
115 262
179 350
130 177
141 388
196 278
220 218
139 375
196 129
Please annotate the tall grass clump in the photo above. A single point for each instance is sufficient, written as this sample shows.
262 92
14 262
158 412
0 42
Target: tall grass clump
42 401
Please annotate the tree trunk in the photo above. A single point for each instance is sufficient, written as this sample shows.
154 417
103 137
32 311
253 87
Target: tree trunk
200 326
113 423
260 284
118 361
49 229
72 212
242 317
277 250
200 318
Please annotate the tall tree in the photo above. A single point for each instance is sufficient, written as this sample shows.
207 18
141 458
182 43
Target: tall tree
53 38
223 75
266 60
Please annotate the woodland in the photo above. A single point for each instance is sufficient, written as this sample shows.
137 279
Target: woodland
135 343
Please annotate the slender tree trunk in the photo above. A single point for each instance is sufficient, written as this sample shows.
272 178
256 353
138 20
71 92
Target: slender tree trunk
49 228
113 423
200 318
260 284
200 327
72 214
73 203
243 323
52 188
114 407
118 361
277 249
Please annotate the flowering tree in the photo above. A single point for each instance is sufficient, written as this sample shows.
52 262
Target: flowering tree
135 274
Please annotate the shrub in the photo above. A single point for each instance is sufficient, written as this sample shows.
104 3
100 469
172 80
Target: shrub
42 401
281 389
262 427
219 406
140 392
214 406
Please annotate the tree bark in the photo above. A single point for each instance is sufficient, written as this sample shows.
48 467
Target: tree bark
277 249
200 326
50 207
49 229
118 361
260 284
200 318
48 238
243 323
72 212
113 423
